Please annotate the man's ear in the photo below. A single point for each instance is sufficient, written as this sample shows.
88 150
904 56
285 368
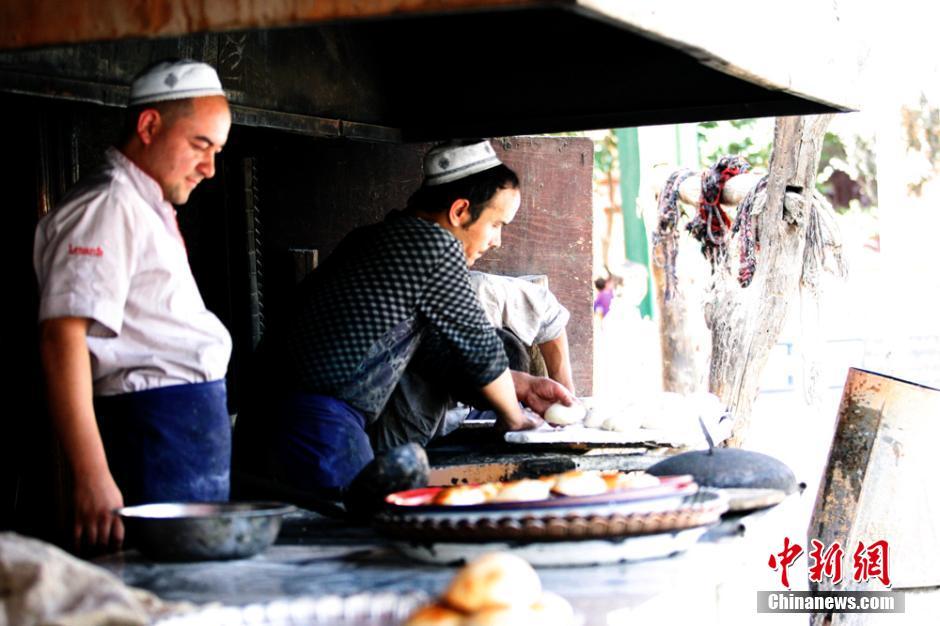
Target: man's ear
459 213
148 123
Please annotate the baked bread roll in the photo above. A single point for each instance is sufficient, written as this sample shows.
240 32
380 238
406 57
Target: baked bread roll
580 483
525 490
502 616
552 610
615 480
494 580
435 615
642 479
549 610
463 495
560 415
631 480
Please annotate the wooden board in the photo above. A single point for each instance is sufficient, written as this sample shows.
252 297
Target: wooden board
580 436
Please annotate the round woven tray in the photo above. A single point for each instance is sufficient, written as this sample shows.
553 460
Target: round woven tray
700 509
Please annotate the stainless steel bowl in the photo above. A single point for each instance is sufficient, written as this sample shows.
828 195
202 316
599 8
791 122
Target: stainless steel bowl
200 531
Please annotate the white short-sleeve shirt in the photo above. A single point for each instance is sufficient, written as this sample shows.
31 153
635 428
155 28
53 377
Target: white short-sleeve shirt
531 311
112 253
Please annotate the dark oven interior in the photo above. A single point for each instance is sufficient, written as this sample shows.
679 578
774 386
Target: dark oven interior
274 193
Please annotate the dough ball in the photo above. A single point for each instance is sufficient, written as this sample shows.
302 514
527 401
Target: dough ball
492 581
580 483
621 423
560 415
435 615
525 490
595 417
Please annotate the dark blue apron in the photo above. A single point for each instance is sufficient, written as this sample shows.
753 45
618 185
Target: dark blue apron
320 442
169 443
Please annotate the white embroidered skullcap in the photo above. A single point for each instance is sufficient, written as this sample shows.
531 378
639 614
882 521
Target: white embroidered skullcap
452 161
175 80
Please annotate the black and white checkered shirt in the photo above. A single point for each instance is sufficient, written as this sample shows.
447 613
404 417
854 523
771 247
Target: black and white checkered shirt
363 313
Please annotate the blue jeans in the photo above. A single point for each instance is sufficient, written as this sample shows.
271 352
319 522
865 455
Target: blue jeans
320 442
168 444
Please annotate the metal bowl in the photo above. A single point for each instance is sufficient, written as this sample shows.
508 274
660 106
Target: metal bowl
201 531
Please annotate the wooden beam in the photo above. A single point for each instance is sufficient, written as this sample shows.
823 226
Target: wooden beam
33 23
690 191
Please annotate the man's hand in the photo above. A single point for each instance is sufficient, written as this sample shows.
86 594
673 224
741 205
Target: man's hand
539 393
527 420
67 366
96 528
501 394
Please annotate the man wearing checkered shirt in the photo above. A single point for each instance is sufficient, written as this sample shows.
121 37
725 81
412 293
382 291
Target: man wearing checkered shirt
363 313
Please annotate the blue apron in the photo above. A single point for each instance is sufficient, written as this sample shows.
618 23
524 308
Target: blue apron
169 443
320 442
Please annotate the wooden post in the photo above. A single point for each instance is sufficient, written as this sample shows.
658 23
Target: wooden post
745 323
684 340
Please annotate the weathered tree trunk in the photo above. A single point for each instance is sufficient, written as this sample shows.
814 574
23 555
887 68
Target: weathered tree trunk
684 340
745 323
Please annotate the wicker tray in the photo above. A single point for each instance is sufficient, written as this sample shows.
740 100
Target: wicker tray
543 524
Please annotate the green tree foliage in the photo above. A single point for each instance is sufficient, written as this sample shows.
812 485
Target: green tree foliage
750 138
922 131
847 172
605 155
847 175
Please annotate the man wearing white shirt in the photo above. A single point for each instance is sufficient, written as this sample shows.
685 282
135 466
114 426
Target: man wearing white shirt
133 360
534 316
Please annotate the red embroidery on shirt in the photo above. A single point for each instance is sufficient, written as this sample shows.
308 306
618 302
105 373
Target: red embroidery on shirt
86 251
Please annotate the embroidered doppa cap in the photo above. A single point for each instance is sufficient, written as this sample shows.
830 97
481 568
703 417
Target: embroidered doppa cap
175 80
452 161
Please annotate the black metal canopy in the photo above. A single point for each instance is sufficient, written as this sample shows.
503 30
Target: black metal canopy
551 67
